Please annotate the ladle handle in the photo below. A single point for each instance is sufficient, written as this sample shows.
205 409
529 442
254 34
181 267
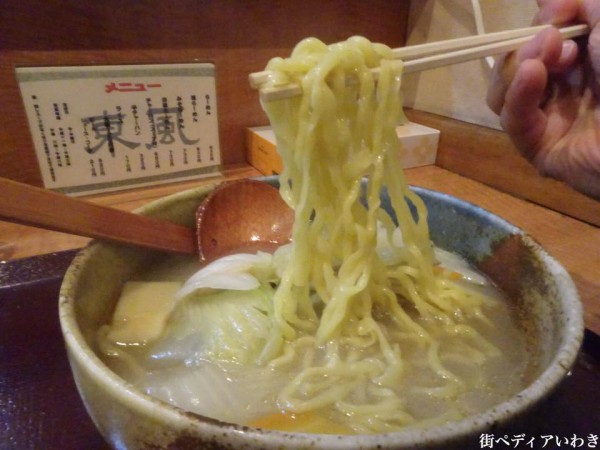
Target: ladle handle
29 205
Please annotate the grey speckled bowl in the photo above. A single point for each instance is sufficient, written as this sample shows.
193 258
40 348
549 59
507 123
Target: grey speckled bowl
127 418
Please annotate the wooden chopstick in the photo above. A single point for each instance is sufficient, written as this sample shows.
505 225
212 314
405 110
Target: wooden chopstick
450 45
437 54
481 51
431 48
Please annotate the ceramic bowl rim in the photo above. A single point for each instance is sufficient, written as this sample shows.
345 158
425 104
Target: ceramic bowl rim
557 369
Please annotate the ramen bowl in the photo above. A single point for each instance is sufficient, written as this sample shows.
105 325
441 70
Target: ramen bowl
128 418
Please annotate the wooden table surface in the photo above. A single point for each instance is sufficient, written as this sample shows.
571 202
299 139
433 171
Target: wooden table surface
573 243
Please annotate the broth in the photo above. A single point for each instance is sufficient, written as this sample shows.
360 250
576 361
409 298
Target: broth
248 393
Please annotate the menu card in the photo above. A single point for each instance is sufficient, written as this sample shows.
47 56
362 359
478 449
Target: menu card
105 128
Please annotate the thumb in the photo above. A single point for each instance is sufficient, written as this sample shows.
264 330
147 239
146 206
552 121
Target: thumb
502 74
546 46
521 115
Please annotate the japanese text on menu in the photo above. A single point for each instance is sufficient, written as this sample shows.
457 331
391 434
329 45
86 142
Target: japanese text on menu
106 128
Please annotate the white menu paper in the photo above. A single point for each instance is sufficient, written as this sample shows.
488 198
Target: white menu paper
105 128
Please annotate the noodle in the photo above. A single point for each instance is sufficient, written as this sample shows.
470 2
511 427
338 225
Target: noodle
356 327
329 138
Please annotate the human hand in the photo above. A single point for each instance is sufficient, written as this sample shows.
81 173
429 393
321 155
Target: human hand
547 95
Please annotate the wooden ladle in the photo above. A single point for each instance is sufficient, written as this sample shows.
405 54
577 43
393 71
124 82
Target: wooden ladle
245 215
42 208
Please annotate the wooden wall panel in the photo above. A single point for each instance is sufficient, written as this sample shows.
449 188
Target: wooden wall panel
488 156
238 36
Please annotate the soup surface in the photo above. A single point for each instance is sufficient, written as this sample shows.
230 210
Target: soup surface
180 355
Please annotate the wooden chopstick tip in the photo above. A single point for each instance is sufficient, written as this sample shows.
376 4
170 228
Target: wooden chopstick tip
434 55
